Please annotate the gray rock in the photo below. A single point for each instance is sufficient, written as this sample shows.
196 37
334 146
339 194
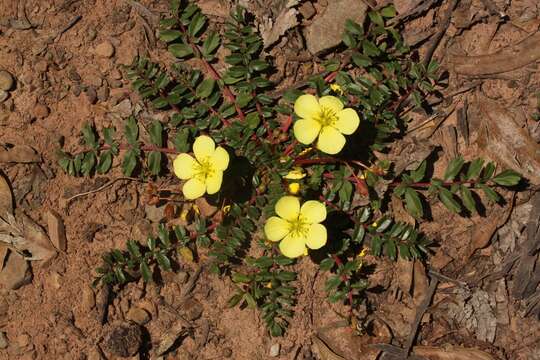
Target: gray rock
327 28
6 80
274 350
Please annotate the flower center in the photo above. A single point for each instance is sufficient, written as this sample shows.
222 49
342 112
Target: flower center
299 227
326 117
204 169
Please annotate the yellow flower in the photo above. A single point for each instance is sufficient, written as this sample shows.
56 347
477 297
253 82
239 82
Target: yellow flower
204 173
295 174
337 89
294 188
325 119
297 226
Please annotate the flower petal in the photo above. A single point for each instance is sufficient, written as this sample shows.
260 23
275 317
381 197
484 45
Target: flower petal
220 159
184 166
213 182
293 246
331 102
276 228
203 147
193 189
330 140
348 121
306 130
314 211
288 207
306 106
316 237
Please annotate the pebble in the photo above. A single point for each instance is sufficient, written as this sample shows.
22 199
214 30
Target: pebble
91 94
138 316
307 10
192 308
274 350
227 353
88 300
103 93
153 213
123 108
6 80
91 33
23 340
40 111
105 49
3 340
76 90
123 339
94 79
3 95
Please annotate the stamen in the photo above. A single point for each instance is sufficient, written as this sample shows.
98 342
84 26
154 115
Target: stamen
326 117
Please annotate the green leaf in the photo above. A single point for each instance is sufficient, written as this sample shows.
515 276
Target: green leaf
258 65
210 44
413 204
376 18
205 88
354 27
327 264
488 171
133 248
156 133
507 178
154 162
145 272
332 283
252 304
196 24
475 167
491 194
129 163
361 60
454 167
163 261
253 120
388 12
105 162
131 130
467 198
234 300
89 136
418 174
448 200
162 81
180 50
88 163
180 141
169 35
108 134
391 250
240 278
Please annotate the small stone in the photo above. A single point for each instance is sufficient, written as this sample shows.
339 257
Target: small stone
105 49
115 84
91 33
76 90
94 80
227 353
40 111
103 93
3 95
307 10
274 350
116 74
3 340
138 316
94 354
91 94
88 300
123 339
15 272
74 75
154 213
182 277
192 309
6 80
54 280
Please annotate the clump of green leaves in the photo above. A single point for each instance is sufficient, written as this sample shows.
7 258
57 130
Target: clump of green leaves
269 287
377 76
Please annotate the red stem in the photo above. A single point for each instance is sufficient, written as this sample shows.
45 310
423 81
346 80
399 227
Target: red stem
345 278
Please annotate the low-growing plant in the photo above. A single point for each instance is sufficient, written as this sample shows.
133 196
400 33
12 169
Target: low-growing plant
293 172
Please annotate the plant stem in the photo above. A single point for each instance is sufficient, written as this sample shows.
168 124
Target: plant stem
345 278
423 185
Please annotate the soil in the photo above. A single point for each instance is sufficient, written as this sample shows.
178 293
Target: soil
68 75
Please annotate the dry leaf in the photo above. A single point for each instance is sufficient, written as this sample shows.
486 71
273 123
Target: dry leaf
6 199
57 231
324 351
452 353
19 154
3 253
170 337
271 30
404 270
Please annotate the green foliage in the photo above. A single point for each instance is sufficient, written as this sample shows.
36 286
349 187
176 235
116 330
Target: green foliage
141 260
241 110
268 286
